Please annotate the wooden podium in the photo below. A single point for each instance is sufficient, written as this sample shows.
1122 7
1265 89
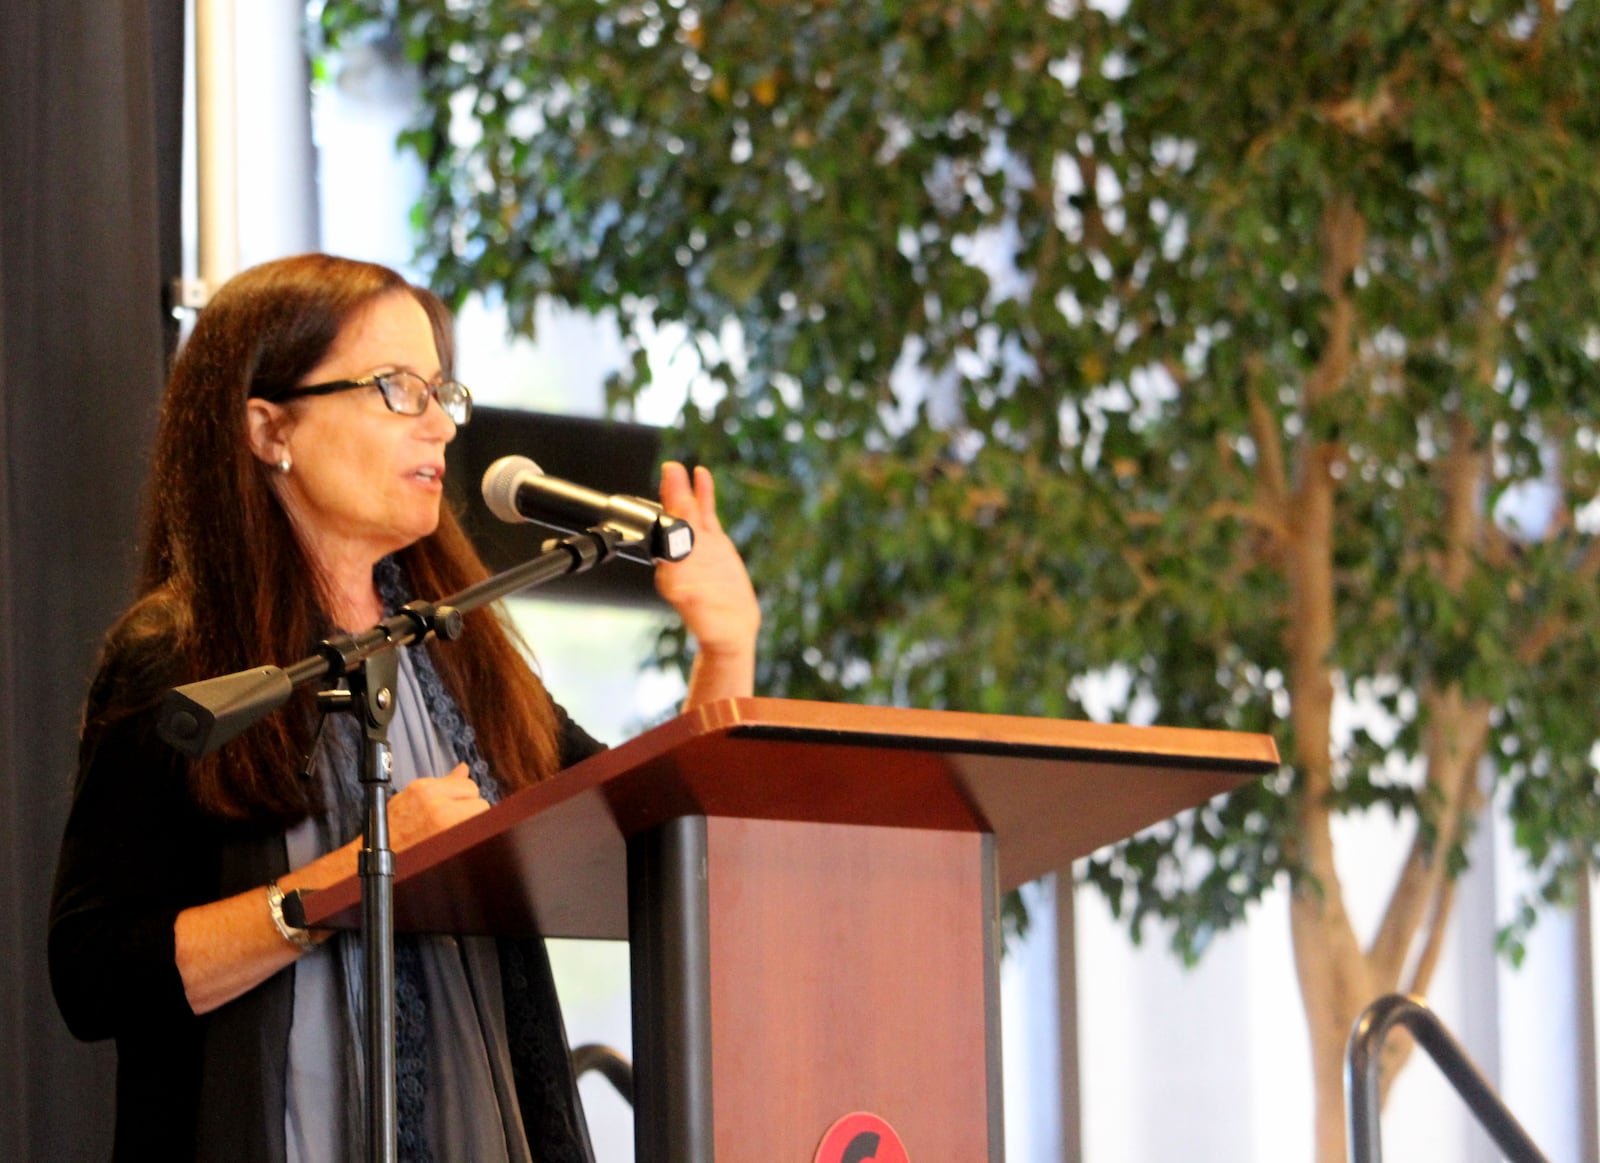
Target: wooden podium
811 895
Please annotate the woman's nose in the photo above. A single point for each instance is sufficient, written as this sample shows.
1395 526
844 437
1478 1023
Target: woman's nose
436 421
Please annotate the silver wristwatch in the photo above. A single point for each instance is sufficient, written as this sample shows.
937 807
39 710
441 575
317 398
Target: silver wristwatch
299 938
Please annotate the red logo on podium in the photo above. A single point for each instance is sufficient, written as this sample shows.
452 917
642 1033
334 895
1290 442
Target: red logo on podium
861 1138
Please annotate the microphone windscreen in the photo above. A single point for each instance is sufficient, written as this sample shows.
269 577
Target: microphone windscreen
500 482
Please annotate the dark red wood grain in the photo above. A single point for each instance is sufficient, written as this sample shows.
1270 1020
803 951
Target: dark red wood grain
552 858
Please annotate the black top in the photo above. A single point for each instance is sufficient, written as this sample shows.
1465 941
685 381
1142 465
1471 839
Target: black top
136 852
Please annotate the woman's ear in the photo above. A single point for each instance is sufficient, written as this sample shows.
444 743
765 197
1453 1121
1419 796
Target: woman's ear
267 427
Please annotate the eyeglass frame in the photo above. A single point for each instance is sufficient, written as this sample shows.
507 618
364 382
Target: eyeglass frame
376 379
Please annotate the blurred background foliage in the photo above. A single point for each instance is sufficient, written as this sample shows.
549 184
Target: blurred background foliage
1038 344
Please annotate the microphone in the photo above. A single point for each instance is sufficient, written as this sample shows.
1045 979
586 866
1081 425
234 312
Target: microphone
516 489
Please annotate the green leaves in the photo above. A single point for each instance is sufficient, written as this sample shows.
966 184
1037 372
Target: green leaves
1037 331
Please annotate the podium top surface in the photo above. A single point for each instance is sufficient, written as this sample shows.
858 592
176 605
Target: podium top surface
553 858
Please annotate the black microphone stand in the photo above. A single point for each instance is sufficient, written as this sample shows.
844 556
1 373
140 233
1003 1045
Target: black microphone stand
200 717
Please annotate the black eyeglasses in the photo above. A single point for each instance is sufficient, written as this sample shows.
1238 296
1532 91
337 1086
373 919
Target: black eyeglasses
405 393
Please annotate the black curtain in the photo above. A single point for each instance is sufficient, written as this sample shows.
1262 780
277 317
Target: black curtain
90 116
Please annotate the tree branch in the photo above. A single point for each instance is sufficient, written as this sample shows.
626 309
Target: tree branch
1261 517
1457 733
1438 926
1550 628
1272 476
1310 514
1344 242
1436 931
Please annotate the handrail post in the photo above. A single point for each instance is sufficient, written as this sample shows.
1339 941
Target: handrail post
1362 1061
611 1065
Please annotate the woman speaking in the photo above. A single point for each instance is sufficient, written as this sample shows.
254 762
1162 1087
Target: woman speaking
296 493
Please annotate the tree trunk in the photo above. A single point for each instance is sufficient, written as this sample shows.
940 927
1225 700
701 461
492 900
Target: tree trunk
1328 958
1330 984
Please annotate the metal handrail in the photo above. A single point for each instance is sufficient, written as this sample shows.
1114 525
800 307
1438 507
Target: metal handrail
1361 1079
617 1070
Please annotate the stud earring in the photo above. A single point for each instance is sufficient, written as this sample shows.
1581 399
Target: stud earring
285 464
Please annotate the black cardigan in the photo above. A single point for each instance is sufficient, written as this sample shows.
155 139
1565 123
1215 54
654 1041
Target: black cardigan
136 852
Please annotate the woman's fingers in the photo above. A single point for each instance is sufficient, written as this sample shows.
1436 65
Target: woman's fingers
428 806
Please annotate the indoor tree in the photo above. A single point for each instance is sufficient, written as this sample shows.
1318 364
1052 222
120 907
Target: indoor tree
1232 356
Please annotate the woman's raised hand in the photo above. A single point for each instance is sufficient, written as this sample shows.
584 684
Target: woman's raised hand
710 590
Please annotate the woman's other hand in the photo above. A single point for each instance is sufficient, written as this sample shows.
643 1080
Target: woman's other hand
428 806
228 947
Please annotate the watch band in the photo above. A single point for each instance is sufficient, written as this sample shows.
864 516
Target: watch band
299 938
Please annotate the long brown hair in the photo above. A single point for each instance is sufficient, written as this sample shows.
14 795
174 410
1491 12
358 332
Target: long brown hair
226 581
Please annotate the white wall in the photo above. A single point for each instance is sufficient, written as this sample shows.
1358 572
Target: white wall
1210 1064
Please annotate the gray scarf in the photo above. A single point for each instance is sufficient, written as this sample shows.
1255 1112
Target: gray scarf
546 1091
